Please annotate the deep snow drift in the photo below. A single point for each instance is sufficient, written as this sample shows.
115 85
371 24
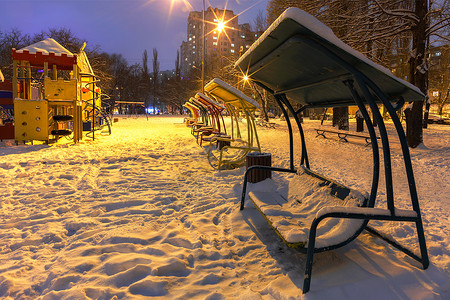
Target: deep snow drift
141 214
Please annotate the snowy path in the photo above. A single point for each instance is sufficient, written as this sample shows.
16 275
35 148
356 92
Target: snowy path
141 213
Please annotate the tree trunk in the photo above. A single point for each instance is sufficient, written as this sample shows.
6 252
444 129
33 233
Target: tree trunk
427 110
263 102
340 117
418 75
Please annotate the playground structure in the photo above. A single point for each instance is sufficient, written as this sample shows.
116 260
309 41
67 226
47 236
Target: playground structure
6 110
300 60
235 147
54 94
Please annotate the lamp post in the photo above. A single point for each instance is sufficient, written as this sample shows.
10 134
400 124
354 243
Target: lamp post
203 48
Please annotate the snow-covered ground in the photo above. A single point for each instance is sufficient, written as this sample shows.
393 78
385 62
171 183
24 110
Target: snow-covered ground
141 214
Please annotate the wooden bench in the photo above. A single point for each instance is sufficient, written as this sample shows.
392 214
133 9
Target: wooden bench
343 134
264 123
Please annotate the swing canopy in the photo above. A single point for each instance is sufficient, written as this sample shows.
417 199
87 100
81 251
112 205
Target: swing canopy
286 60
230 95
216 104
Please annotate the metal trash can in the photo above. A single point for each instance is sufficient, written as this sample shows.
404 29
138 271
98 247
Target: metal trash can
260 159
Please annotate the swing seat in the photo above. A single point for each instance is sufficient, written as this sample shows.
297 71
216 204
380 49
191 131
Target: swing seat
310 194
229 156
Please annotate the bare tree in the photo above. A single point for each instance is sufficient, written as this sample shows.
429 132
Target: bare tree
155 78
259 24
439 76
9 40
145 79
377 28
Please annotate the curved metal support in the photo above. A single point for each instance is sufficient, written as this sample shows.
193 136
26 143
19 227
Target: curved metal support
279 100
373 139
409 171
384 140
304 157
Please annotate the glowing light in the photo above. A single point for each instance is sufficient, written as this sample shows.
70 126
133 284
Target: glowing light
220 26
245 78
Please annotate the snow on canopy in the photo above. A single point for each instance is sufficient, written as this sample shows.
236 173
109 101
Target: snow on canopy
315 26
47 46
213 102
228 93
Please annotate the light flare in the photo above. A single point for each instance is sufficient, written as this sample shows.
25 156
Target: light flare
185 2
220 26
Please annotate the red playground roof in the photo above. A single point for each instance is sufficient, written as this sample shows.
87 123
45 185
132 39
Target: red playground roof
48 51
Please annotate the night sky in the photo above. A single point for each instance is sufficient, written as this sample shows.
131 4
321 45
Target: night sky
127 27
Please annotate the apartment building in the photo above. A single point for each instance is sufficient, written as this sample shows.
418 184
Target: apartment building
221 46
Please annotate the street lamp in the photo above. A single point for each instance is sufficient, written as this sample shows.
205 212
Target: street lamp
220 26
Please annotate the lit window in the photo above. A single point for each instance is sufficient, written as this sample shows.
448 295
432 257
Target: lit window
232 45
243 36
193 52
436 94
214 37
247 46
214 43
437 54
190 39
232 50
193 26
193 47
215 20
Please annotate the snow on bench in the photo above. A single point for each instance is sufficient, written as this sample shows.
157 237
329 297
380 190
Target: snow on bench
308 195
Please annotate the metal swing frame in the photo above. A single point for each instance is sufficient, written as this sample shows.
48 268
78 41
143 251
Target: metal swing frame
364 92
233 106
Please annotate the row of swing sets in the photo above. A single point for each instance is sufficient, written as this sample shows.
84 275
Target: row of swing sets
227 142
